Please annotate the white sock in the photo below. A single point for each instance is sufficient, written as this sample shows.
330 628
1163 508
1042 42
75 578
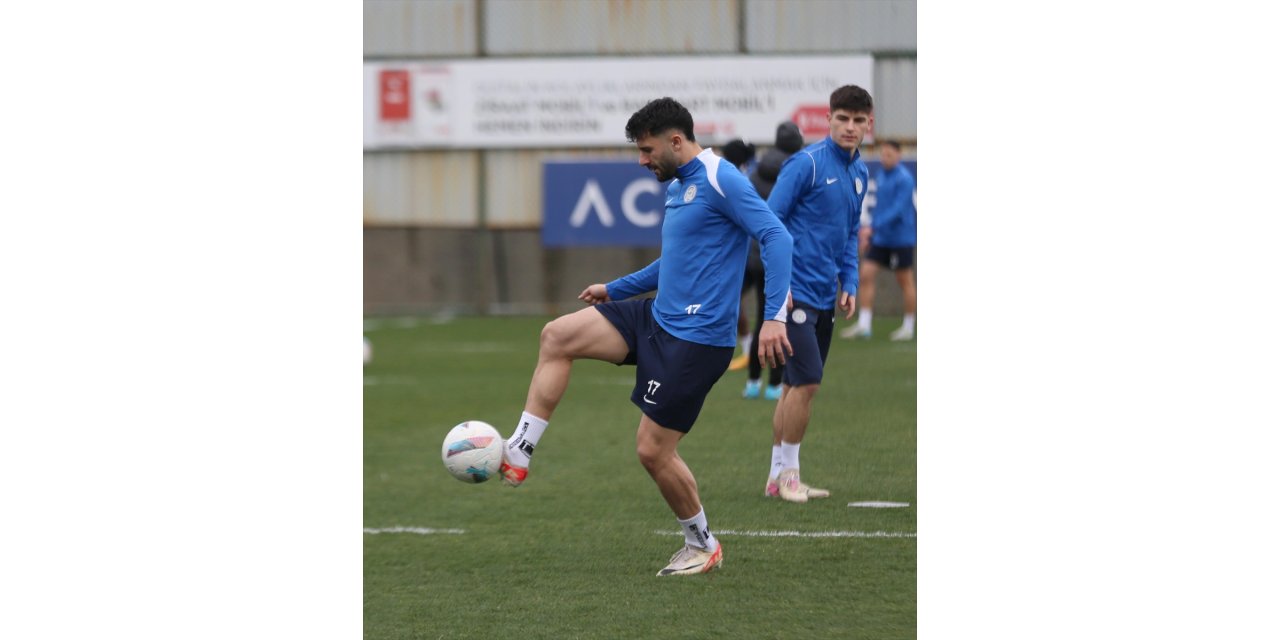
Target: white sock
775 465
790 455
909 321
696 533
522 441
864 319
746 343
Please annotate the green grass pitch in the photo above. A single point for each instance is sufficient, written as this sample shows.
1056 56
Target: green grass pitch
573 552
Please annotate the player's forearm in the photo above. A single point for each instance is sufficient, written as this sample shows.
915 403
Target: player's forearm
634 284
775 252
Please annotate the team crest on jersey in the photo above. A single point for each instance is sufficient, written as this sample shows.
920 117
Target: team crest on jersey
690 193
857 185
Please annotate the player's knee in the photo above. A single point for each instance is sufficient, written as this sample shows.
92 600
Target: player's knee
805 392
650 454
555 338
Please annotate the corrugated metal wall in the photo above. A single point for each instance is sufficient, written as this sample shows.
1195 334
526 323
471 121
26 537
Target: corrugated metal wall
610 27
793 26
422 188
895 97
420 28
423 209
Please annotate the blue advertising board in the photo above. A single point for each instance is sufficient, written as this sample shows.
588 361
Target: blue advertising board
614 203
601 203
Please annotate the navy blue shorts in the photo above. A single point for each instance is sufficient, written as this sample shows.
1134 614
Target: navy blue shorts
893 257
673 376
809 331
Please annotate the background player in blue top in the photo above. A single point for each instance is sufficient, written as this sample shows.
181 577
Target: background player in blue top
891 233
680 341
818 197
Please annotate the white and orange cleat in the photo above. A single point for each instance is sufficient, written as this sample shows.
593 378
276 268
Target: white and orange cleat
512 476
691 560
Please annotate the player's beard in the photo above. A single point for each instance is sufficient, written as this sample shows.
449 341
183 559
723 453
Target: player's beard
664 168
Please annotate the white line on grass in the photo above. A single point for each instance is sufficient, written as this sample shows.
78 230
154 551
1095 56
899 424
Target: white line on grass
880 505
802 534
370 381
422 531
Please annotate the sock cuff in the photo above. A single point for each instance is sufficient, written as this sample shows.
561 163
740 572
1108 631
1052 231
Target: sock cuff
692 519
534 421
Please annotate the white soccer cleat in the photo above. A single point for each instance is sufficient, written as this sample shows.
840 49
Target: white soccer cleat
690 561
790 487
854 331
902 334
815 493
773 489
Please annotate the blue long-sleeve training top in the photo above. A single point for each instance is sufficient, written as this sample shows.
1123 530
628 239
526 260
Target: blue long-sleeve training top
711 212
818 197
893 218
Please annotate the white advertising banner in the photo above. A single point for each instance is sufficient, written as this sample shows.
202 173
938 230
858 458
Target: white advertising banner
583 102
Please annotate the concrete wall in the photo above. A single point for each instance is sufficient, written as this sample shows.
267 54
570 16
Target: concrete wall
420 270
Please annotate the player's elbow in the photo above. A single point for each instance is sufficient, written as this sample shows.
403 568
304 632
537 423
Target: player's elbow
778 235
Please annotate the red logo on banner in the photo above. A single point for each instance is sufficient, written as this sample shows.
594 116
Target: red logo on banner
394 95
812 120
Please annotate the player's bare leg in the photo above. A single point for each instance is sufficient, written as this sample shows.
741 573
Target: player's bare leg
867 272
906 279
582 334
656 448
790 421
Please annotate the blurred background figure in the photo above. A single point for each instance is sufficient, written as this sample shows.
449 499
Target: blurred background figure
787 141
891 244
743 156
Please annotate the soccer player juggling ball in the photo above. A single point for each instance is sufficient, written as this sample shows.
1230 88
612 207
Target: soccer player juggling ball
818 197
680 341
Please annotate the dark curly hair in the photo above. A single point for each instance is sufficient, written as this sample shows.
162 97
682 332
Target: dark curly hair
851 97
659 116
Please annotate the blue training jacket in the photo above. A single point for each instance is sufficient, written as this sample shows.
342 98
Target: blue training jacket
818 197
893 218
712 212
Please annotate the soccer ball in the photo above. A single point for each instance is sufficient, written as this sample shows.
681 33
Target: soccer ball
472 451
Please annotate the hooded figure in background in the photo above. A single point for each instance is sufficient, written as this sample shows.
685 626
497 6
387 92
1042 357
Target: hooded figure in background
787 141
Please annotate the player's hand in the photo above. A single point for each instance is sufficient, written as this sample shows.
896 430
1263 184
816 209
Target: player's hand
774 346
847 303
594 294
864 239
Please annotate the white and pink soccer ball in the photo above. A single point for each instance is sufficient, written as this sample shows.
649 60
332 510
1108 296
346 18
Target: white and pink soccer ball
472 451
